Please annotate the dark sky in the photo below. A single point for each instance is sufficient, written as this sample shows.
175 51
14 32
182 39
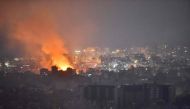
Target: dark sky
124 23
111 23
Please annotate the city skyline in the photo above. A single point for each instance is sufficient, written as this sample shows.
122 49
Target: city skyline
94 54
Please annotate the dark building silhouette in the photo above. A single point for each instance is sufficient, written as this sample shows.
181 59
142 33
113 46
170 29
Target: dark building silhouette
54 69
102 95
129 96
44 72
145 95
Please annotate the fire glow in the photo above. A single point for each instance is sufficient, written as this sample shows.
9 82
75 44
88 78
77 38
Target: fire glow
40 39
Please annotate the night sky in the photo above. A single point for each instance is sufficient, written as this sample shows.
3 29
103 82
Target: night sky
105 23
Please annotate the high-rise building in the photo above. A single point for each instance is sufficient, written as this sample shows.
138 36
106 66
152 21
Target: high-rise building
137 96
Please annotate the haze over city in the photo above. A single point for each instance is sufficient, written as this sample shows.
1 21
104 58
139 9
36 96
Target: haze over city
107 23
94 54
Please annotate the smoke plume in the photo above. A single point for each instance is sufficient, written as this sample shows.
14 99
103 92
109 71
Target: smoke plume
35 30
38 33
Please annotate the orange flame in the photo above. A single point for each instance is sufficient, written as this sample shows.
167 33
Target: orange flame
38 34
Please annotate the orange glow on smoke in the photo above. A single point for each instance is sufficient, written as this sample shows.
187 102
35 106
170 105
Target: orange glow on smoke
40 39
56 51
